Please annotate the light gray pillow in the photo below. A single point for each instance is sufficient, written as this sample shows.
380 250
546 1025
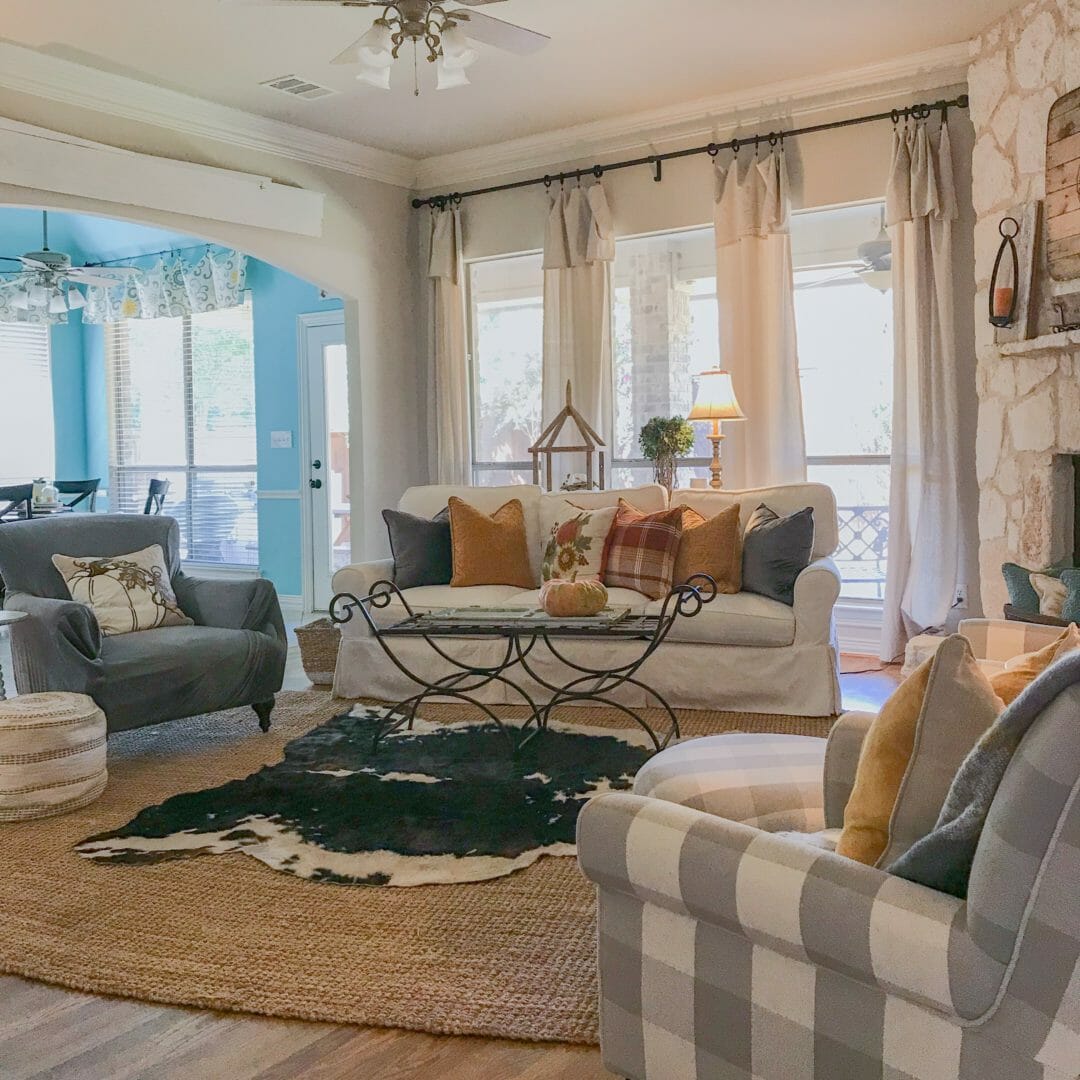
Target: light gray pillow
776 550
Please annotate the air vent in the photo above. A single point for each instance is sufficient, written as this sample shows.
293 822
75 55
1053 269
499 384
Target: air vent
297 87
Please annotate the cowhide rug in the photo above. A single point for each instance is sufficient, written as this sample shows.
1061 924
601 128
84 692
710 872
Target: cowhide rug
442 803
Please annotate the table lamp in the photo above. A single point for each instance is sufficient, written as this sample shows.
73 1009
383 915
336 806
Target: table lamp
716 401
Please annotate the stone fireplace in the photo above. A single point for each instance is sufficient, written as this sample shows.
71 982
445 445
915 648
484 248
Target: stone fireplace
1029 391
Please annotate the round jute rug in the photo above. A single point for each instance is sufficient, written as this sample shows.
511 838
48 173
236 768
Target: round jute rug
512 958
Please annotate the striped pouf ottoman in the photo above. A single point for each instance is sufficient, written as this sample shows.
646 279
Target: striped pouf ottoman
52 755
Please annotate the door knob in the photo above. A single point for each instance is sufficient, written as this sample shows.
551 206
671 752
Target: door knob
316 464
315 483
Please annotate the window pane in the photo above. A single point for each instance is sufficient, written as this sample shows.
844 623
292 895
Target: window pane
508 336
223 387
27 446
845 335
862 498
223 512
501 477
666 331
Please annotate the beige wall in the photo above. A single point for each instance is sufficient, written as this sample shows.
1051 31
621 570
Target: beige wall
363 255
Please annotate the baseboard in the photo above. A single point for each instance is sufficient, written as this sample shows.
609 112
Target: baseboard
858 626
292 608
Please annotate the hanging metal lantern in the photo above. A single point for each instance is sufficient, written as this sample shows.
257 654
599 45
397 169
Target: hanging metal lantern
1006 274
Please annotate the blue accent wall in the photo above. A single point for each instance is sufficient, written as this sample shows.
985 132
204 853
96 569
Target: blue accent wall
80 407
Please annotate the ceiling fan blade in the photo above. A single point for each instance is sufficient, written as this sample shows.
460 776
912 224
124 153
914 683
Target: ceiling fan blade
81 278
33 264
9 258
503 35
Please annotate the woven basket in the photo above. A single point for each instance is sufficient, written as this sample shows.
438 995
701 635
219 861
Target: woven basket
319 642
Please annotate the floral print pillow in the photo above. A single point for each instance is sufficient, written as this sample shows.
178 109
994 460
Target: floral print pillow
576 543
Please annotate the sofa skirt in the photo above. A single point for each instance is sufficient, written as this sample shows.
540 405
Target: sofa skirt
794 680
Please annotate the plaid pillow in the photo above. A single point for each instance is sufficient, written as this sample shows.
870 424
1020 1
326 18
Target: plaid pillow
641 550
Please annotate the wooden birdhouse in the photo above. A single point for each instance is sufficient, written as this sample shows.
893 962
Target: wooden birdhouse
586 442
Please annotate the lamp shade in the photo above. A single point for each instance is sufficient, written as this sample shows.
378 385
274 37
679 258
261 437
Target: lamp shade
716 398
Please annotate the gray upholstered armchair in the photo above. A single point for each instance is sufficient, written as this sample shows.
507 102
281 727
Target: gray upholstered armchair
234 654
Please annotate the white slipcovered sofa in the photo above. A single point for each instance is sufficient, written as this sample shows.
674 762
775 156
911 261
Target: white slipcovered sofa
743 652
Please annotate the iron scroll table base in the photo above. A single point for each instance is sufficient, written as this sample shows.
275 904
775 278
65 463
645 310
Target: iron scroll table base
517 662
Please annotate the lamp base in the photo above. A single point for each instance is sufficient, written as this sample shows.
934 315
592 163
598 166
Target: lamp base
717 470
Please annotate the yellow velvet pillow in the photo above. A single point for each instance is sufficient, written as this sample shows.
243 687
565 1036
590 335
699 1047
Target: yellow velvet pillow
1009 684
912 752
711 546
489 549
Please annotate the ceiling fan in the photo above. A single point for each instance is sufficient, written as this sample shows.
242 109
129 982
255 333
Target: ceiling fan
40 281
430 26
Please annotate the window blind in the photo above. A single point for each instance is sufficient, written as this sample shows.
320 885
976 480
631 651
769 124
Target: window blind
27 446
182 409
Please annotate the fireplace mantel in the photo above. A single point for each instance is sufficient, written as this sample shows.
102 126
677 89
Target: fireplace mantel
1047 343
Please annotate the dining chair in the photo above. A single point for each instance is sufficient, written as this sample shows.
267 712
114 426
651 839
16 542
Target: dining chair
83 490
15 498
155 496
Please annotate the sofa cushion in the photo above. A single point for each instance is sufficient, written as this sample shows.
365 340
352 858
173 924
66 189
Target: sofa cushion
428 500
641 550
783 498
739 619
489 549
711 546
576 541
776 550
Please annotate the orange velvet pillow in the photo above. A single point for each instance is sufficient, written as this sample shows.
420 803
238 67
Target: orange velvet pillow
711 546
489 549
1010 683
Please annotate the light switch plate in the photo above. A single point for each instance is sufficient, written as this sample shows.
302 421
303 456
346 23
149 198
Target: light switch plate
280 440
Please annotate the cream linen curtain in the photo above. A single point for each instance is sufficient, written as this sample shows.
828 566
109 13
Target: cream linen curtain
924 528
450 458
755 291
579 249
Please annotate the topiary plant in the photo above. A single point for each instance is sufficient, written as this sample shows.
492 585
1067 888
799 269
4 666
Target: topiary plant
663 440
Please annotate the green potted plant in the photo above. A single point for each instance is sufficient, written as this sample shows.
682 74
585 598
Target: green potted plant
663 440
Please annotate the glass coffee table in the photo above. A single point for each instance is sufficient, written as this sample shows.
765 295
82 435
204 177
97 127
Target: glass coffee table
526 632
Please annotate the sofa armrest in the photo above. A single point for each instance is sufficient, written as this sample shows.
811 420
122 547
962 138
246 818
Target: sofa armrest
803 902
1000 640
841 761
359 579
57 648
250 604
817 589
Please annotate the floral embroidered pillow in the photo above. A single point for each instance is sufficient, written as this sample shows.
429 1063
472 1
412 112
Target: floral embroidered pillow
126 592
576 543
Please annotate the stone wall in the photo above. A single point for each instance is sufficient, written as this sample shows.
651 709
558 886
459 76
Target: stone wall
1029 396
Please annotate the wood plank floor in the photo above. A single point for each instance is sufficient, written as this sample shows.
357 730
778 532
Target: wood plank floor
49 1032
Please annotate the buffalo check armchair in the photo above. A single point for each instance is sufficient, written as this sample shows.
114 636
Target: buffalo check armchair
726 951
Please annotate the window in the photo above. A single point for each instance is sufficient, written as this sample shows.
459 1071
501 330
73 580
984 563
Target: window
666 332
508 347
27 446
182 394
845 360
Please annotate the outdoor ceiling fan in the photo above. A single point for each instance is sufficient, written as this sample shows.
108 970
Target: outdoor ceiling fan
39 283
443 33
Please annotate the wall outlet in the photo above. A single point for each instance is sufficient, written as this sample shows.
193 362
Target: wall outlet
280 440
961 596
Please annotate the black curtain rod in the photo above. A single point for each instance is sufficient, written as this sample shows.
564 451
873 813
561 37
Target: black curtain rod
917 112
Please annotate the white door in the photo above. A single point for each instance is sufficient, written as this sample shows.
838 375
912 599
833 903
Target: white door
325 465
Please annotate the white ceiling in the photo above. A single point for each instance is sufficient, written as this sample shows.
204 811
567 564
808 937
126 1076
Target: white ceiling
606 58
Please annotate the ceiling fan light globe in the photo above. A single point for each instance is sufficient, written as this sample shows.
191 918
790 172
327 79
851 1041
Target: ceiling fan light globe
378 77
38 295
377 42
20 300
448 78
57 303
456 52
880 280
75 300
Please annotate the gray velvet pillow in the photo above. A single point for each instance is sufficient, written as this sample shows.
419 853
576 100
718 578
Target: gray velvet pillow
776 550
421 548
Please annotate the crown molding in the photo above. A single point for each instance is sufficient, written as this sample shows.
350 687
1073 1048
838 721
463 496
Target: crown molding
705 119
28 71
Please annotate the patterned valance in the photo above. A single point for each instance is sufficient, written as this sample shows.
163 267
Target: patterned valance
168 288
172 288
